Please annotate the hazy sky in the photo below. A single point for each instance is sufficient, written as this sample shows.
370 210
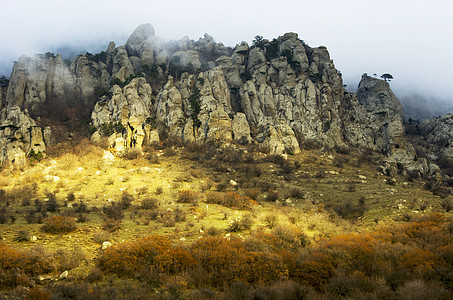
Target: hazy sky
410 39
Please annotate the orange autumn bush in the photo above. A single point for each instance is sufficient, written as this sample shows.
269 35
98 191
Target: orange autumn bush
423 231
218 260
354 251
264 267
236 200
417 260
59 225
131 257
390 255
30 262
221 261
175 260
186 196
314 269
231 199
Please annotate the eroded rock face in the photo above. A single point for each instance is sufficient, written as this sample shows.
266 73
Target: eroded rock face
140 44
438 134
280 93
197 108
384 126
19 135
128 110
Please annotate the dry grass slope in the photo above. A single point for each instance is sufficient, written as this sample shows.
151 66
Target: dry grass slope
220 222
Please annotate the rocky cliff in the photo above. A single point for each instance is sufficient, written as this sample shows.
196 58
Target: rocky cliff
435 140
280 93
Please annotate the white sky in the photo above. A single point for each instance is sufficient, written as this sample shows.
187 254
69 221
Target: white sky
410 39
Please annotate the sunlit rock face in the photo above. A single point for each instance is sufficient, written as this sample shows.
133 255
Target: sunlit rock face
19 136
280 93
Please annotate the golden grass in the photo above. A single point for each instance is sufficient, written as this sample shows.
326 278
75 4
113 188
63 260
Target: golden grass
97 182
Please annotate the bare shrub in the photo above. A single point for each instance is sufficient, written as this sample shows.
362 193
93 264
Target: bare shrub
69 259
169 152
126 200
272 196
213 231
82 218
168 220
297 193
101 236
186 196
81 207
70 197
251 171
159 190
149 203
270 221
252 193
240 224
113 211
447 204
22 236
59 225
51 203
142 190
179 215
32 217
152 157
133 154
351 187
291 236
94 275
345 286
418 289
111 225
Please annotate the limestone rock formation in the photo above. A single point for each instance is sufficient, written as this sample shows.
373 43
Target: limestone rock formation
438 138
280 93
19 135
127 110
384 125
140 44
197 108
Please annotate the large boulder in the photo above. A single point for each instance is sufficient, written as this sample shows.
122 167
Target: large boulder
140 44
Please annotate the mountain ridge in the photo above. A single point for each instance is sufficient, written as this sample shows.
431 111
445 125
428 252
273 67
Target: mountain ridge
280 93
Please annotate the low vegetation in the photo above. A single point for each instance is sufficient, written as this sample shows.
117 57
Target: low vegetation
221 222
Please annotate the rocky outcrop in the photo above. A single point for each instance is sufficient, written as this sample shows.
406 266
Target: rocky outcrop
438 138
438 130
19 136
280 93
384 128
3 90
198 108
127 111
140 44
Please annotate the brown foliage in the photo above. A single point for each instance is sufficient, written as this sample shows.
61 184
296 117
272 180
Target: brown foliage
186 196
59 225
130 259
31 262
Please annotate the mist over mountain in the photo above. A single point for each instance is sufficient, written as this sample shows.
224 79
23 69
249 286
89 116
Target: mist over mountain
264 159
417 104
280 93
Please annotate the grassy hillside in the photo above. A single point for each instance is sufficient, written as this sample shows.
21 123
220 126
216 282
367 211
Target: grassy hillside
215 222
